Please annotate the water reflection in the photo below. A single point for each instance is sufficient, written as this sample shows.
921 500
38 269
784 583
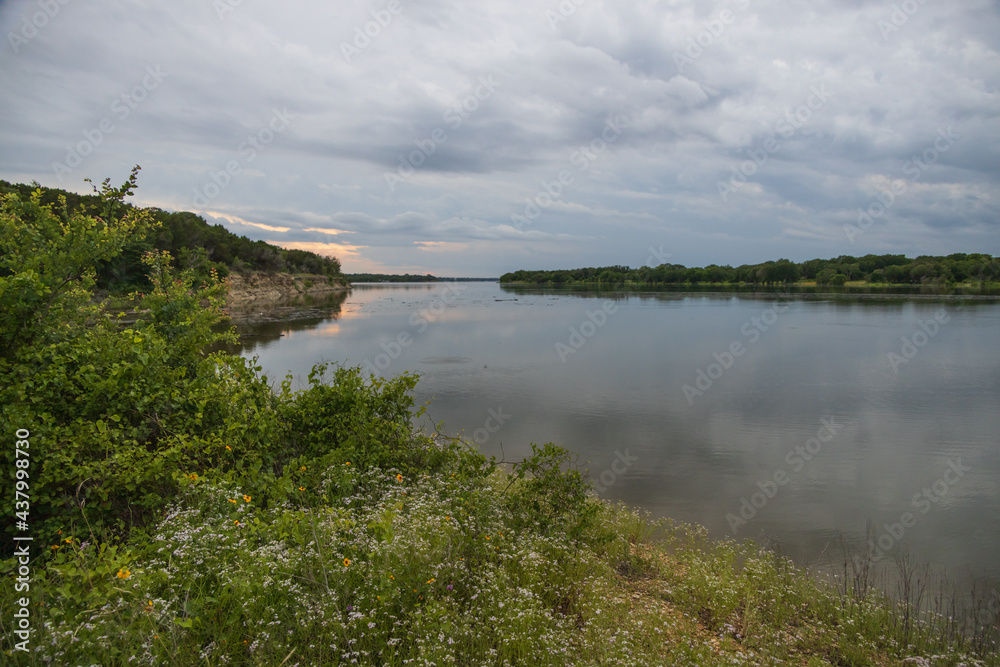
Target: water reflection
482 347
260 323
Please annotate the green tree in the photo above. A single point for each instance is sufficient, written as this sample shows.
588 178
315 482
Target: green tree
115 410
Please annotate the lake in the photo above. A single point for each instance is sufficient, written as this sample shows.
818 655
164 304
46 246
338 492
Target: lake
791 418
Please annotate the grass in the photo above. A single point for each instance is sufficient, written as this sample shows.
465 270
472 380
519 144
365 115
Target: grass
374 568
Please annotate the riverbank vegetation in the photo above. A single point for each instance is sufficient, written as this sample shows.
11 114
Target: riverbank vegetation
186 510
960 269
193 244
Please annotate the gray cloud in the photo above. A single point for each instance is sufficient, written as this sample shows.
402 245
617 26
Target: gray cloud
700 87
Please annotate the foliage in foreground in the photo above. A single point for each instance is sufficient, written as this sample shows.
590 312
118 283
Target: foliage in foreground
195 515
194 244
379 568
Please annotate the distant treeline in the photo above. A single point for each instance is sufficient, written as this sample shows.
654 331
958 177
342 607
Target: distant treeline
192 242
404 278
877 269
389 278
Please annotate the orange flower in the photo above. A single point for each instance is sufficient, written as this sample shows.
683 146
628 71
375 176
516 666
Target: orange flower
246 497
399 478
347 561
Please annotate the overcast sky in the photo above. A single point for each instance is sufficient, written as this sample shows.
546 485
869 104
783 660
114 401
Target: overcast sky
470 139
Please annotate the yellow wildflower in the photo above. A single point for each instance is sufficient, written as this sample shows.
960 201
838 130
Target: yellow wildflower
347 561
246 497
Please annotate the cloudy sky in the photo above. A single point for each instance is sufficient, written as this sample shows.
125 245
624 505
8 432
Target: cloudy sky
470 139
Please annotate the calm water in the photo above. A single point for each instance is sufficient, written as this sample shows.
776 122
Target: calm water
802 429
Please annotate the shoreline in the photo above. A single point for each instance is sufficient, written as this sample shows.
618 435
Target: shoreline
274 286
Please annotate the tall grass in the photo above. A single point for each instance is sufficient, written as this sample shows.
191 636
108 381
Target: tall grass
374 567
